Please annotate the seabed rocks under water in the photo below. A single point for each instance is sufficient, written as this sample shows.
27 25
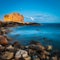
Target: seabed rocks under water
34 51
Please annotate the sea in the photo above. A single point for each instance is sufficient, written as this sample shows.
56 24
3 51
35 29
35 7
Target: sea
46 34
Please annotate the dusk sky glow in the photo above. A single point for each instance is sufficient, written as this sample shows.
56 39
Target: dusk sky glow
42 11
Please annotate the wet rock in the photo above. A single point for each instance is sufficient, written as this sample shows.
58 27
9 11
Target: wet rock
3 40
10 47
47 57
17 44
31 52
26 46
54 58
20 58
21 53
34 42
7 55
4 31
49 47
27 58
46 53
32 46
35 57
56 54
1 48
40 47
37 45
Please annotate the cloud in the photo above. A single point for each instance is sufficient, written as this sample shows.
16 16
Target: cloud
30 18
47 18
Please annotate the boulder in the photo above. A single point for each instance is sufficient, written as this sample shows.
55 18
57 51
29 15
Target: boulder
35 57
10 47
16 44
54 58
7 55
46 53
1 48
34 42
3 40
40 47
31 52
21 53
49 47
28 58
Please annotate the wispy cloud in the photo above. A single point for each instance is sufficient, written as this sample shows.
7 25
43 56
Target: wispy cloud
30 18
43 18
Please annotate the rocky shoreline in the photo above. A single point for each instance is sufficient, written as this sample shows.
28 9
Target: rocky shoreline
15 51
14 24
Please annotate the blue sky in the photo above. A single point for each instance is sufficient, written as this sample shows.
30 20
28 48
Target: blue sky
42 11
